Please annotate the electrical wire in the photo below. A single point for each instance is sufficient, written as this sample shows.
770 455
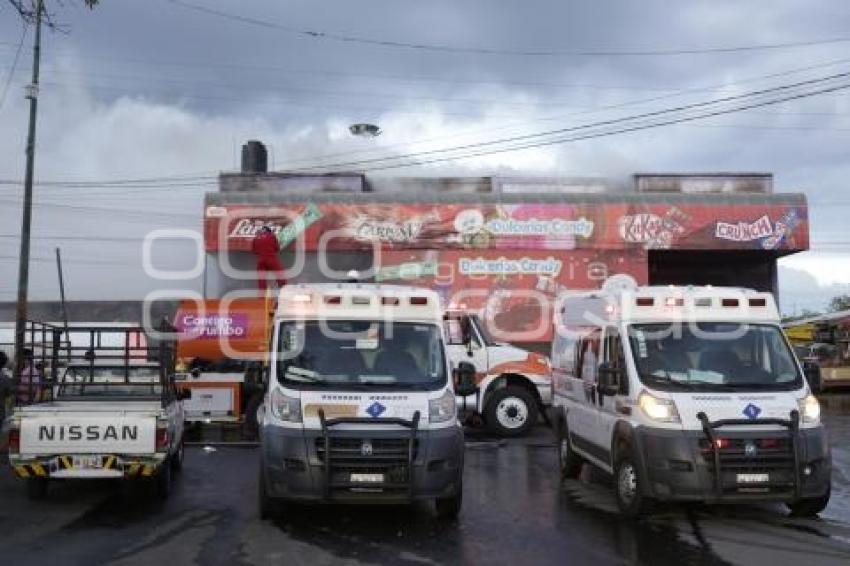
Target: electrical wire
604 134
310 160
550 133
445 48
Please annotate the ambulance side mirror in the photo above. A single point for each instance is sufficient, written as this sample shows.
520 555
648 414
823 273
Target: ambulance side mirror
609 379
464 378
812 372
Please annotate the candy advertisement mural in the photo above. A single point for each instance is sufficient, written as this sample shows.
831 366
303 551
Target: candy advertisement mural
615 225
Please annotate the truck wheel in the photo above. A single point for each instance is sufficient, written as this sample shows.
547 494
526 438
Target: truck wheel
569 462
628 487
36 488
511 411
250 426
809 507
269 507
177 458
163 480
449 507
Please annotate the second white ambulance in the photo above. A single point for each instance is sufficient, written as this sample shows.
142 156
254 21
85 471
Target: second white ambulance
688 394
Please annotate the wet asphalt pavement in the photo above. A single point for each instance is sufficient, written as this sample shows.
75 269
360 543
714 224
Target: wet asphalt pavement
515 511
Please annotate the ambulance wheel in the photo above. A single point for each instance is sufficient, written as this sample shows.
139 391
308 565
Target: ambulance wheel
177 458
809 507
448 508
628 487
511 411
36 488
269 507
569 462
162 480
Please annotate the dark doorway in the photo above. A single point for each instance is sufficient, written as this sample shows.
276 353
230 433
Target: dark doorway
754 269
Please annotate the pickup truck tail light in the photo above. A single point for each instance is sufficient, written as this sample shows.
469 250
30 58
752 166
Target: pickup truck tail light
14 440
161 439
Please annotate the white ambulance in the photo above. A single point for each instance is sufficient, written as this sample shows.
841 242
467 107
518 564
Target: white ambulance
360 405
688 394
513 385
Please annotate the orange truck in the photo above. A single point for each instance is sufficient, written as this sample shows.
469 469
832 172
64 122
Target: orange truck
220 348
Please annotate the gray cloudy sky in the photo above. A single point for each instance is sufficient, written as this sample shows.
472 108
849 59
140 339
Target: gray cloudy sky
154 89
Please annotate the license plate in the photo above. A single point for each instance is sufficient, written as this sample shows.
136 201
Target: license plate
367 478
753 478
86 462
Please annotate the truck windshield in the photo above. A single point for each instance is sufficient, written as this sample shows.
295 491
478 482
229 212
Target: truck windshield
713 356
102 381
361 355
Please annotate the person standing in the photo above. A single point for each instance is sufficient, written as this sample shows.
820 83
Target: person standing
29 385
6 387
266 248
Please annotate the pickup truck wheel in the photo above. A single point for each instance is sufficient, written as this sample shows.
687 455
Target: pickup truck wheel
163 480
177 458
511 411
569 462
809 507
36 488
628 487
448 508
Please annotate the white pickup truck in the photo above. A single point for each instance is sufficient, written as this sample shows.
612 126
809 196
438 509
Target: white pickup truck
100 418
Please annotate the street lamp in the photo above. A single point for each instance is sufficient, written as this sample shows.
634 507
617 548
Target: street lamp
365 130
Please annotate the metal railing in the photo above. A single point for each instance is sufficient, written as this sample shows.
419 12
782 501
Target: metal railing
51 350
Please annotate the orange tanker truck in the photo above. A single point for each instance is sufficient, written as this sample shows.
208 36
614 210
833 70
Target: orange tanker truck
221 345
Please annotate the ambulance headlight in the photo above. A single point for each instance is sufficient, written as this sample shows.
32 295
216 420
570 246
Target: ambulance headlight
661 410
284 407
443 408
809 409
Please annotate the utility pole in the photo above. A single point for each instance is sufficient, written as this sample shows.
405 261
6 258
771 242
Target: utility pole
26 222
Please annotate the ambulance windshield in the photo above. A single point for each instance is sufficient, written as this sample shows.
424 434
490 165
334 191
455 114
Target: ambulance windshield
713 356
357 354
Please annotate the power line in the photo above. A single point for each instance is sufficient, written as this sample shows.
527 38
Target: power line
508 126
604 108
147 214
623 130
550 133
451 81
445 48
266 69
334 93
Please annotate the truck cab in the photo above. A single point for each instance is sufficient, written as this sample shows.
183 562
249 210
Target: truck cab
360 406
513 385
686 394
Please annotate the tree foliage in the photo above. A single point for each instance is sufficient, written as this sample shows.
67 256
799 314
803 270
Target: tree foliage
839 303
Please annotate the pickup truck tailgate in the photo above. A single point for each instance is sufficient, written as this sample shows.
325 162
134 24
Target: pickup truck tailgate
76 433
